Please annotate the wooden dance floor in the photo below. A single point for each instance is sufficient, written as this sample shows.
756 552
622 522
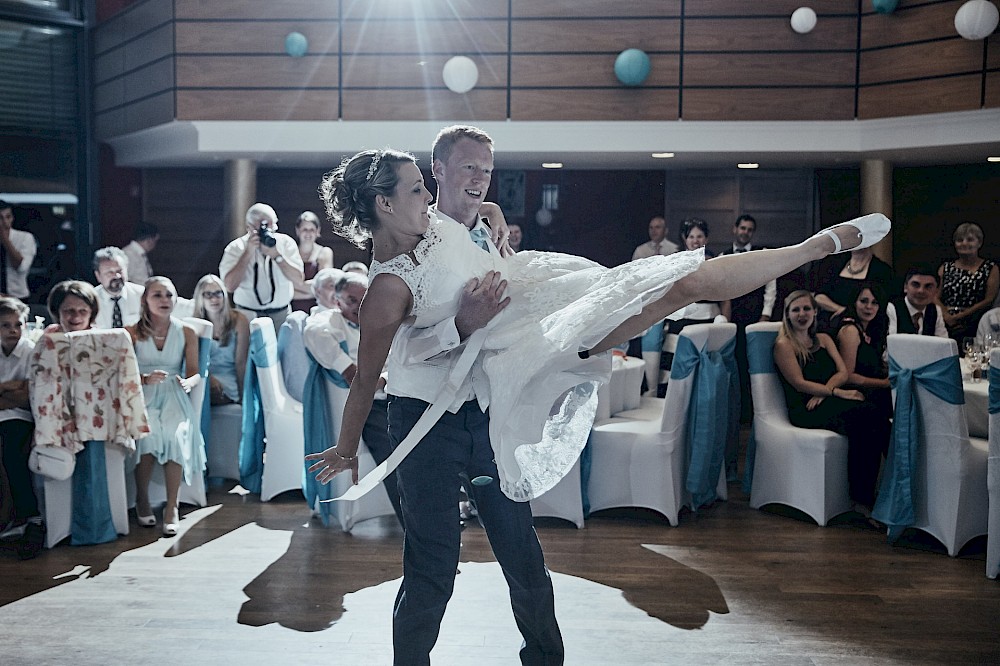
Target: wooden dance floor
249 583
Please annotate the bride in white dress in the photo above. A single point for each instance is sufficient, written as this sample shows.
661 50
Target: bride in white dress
541 355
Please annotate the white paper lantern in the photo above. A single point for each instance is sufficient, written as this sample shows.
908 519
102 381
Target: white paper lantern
543 217
977 19
460 74
803 20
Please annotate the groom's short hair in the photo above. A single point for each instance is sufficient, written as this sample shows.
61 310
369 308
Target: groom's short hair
449 136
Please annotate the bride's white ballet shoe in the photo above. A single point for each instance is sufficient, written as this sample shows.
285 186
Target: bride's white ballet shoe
871 229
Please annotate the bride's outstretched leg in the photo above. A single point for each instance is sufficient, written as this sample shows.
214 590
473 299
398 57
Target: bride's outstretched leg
730 276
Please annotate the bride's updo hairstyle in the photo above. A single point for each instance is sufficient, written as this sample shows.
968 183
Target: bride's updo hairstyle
349 191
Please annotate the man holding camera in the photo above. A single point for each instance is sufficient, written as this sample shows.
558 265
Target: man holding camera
260 268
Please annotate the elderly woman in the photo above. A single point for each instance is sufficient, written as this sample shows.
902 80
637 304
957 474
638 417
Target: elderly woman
315 257
969 284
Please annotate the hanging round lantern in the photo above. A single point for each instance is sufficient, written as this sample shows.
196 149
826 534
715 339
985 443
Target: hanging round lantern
803 20
296 44
460 74
885 6
977 19
632 67
543 217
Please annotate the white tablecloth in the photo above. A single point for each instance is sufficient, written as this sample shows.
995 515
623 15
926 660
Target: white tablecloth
977 401
624 391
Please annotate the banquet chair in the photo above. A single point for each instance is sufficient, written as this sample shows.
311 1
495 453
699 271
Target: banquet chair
804 468
993 472
222 426
934 478
644 462
193 493
563 500
283 451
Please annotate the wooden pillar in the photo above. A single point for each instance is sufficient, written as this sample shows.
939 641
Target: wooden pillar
876 197
240 183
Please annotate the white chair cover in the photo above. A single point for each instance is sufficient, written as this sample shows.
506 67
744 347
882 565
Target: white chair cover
993 473
57 499
803 468
641 462
950 497
284 449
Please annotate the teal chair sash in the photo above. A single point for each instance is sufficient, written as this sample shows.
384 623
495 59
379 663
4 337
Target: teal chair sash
652 339
92 522
204 360
715 399
317 430
994 390
760 361
252 442
942 378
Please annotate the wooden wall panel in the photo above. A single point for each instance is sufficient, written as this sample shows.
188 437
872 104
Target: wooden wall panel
769 69
771 34
956 56
424 9
586 70
919 23
254 9
257 105
149 112
959 93
414 71
148 48
257 72
126 26
993 90
478 105
134 86
993 52
769 104
585 8
597 35
594 104
231 37
762 7
444 36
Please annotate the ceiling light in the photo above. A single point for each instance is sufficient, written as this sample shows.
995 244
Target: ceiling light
552 165
748 165
662 156
993 159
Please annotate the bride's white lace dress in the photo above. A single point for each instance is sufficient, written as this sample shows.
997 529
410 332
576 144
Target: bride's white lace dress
542 396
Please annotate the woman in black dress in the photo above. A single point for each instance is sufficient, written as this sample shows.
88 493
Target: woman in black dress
835 280
969 284
812 374
861 343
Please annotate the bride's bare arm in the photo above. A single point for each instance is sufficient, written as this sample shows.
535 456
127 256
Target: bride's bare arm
385 306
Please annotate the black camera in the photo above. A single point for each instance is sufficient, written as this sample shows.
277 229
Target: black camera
266 236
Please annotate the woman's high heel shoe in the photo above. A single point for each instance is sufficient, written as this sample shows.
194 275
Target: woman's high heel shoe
871 229
170 528
146 521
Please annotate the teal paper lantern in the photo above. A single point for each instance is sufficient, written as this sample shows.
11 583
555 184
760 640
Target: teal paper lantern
632 67
296 44
885 6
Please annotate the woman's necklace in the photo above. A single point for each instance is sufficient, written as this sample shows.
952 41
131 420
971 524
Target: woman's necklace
856 271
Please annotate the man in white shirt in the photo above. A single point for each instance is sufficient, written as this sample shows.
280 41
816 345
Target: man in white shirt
916 311
119 302
657 243
458 447
331 336
143 242
17 252
261 267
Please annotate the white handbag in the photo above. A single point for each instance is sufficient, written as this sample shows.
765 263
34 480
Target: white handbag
53 462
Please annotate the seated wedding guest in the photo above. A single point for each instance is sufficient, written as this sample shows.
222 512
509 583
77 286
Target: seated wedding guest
969 284
813 374
359 267
835 279
694 236
989 328
143 242
230 340
916 311
516 237
861 342
18 503
315 257
291 351
120 300
167 352
332 337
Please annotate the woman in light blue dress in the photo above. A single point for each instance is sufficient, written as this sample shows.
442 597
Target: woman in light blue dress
167 351
230 340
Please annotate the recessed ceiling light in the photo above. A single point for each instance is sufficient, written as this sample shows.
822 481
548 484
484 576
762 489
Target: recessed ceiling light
552 165
748 165
662 156
993 159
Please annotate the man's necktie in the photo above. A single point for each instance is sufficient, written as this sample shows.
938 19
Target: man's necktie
3 270
741 249
116 313
917 317
480 237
